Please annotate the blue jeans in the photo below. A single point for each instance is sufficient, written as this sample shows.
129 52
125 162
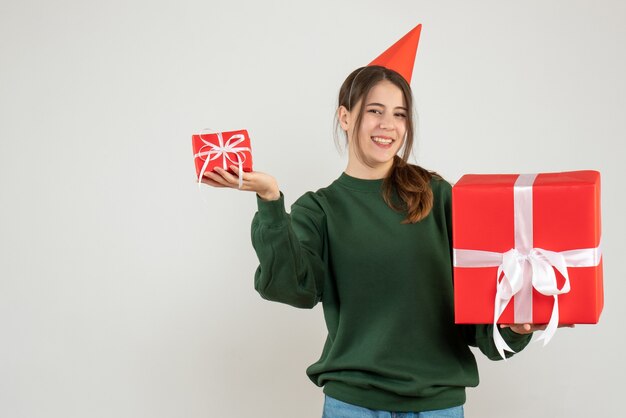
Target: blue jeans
334 408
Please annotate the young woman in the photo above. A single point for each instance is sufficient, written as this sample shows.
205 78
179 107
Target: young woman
375 248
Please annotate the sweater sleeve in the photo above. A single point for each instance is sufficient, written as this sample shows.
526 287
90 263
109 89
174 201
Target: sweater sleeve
290 251
481 335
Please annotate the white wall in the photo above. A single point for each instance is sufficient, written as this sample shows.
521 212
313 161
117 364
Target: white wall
126 292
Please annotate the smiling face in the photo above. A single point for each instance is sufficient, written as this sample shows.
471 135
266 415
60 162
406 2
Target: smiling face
380 134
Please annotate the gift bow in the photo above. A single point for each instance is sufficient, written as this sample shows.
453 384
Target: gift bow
224 150
525 267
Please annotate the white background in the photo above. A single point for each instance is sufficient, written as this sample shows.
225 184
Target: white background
127 292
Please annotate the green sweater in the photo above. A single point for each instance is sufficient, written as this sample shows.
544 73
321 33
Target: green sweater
386 290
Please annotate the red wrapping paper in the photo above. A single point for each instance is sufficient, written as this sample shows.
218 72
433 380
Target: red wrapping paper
565 216
233 148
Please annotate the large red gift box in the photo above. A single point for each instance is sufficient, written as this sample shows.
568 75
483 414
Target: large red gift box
221 149
532 225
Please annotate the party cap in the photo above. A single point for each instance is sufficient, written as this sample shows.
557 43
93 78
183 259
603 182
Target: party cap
400 56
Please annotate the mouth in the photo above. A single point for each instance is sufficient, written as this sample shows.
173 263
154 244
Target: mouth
382 141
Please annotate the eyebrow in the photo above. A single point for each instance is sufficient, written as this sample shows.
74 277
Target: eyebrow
382 105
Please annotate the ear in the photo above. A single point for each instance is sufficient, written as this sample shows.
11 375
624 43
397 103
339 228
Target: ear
344 117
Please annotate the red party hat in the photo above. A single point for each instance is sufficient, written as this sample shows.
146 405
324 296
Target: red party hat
400 56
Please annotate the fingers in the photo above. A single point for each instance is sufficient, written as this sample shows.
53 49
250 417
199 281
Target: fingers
263 184
518 328
220 178
528 328
523 328
235 169
210 182
533 328
213 179
228 177
244 175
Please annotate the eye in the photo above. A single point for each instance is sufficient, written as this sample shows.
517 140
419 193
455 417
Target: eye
401 115
376 111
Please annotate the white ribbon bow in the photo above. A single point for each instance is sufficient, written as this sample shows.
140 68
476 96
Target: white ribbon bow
224 150
515 267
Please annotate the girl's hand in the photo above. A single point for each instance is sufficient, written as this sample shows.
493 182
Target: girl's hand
529 328
263 184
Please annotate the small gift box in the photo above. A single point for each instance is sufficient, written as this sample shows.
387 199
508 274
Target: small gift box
527 249
221 149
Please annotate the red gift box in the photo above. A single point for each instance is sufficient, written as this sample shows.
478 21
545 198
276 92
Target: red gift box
532 236
221 149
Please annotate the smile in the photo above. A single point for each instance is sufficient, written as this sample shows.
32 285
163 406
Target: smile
382 140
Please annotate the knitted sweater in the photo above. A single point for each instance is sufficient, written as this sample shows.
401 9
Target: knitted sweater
386 290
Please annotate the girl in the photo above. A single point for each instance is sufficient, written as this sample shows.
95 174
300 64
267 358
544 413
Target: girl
375 248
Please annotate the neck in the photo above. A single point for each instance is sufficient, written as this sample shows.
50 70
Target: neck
361 170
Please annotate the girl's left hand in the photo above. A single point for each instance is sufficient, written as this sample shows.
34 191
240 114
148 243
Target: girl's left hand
530 328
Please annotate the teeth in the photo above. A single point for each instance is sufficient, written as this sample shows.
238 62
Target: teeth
381 140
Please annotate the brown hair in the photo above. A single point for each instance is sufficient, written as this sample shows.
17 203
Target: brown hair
411 182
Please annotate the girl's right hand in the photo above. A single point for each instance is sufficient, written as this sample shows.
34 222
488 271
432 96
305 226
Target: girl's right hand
263 184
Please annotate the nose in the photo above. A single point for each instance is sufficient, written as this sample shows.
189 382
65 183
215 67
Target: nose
387 122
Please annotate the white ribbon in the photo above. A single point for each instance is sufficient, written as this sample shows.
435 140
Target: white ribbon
524 267
224 150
